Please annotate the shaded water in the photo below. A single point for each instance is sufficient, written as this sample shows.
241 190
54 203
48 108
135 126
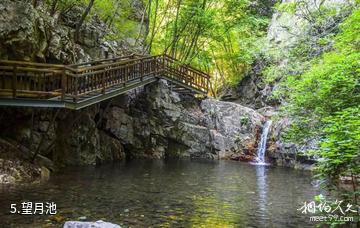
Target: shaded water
169 193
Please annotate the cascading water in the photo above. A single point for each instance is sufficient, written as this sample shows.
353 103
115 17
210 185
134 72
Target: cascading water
262 146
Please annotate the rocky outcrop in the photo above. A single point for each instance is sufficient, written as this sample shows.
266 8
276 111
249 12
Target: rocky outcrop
286 28
72 139
80 142
252 92
160 123
20 31
284 153
39 34
14 168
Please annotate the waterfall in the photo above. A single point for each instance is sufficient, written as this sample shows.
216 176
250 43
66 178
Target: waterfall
262 146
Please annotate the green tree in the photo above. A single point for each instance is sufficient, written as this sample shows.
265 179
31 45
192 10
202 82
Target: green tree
216 36
325 101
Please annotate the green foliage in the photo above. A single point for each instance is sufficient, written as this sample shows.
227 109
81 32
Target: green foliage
244 121
332 83
340 154
217 36
288 7
340 149
349 40
324 101
330 86
117 15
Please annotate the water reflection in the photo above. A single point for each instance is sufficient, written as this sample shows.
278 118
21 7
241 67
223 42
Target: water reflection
262 190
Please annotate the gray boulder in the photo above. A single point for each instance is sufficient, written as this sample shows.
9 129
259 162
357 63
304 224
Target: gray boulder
97 224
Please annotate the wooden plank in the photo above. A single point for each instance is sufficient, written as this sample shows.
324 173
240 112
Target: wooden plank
23 63
29 69
30 93
14 82
63 84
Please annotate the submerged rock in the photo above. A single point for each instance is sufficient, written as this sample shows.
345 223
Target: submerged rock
97 224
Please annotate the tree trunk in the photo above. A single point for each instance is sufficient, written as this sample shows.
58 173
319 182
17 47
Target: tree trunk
53 7
154 25
34 3
175 32
147 8
82 19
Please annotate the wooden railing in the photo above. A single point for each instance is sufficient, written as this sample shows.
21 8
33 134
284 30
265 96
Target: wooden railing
185 74
22 79
43 81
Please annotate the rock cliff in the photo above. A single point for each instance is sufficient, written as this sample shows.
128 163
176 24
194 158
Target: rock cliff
44 34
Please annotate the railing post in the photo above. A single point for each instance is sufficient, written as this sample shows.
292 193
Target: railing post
185 76
163 65
14 82
141 69
126 70
103 82
63 84
192 77
207 84
76 89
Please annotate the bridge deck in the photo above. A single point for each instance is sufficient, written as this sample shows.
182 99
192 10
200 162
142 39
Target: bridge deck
80 85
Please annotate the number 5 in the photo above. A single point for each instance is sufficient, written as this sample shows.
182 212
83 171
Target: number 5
13 208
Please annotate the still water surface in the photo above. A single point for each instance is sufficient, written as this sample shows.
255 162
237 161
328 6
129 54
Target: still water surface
169 194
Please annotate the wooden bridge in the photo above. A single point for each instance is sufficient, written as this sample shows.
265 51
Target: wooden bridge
76 86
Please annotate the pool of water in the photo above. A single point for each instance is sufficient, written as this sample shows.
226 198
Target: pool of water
168 194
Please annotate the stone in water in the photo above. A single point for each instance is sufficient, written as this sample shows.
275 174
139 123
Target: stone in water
97 224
